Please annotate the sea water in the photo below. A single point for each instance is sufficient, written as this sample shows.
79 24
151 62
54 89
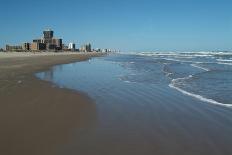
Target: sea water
152 103
206 76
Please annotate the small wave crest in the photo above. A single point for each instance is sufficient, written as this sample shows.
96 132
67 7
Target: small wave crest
199 97
195 54
224 63
203 68
124 79
224 60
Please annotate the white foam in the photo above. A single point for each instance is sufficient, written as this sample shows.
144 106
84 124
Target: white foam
199 97
167 74
128 81
185 54
184 61
205 69
184 78
224 63
224 60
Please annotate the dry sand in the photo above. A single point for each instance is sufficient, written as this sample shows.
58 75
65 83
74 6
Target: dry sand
36 118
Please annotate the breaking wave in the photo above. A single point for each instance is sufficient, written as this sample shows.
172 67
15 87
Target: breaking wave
199 96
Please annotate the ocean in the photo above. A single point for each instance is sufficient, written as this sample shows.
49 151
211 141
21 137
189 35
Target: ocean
158 102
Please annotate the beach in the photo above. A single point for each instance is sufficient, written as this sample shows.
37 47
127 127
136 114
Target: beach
37 117
127 104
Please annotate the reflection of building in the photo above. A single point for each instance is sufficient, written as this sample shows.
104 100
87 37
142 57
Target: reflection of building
48 75
13 48
86 48
72 46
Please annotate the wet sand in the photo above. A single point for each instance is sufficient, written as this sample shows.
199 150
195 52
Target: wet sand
36 118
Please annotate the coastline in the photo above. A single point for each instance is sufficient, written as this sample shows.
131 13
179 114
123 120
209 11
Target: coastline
36 117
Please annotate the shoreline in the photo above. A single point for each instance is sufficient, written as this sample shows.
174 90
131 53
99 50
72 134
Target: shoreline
36 117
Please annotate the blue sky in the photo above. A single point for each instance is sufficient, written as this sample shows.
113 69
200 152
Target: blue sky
128 25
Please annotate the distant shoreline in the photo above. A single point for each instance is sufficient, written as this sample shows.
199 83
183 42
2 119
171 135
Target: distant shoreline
10 54
36 117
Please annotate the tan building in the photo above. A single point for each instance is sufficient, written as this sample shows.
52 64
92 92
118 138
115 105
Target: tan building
13 48
47 42
37 46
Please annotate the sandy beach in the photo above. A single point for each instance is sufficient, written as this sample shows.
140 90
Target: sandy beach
130 108
36 117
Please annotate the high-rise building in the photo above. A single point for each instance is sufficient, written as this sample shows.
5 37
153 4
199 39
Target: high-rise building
48 34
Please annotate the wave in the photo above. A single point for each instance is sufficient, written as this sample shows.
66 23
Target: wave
203 68
187 61
167 74
224 63
199 97
124 79
224 60
128 81
177 60
195 54
184 78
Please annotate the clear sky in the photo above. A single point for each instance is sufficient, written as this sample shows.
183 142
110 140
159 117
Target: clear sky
129 25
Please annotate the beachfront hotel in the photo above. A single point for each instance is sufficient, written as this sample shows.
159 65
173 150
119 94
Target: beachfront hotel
47 42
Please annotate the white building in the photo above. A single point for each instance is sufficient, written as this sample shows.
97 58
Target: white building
71 46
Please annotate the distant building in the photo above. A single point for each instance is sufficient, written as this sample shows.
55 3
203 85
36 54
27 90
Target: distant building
37 46
65 47
50 42
26 46
86 48
13 48
58 43
104 50
37 41
48 34
72 46
98 50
